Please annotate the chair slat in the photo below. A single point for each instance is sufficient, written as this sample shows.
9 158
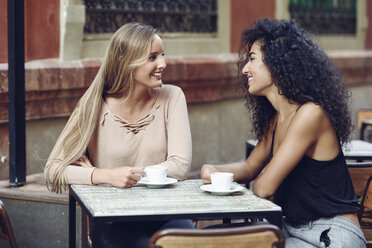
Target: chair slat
259 236
260 240
364 114
359 177
368 197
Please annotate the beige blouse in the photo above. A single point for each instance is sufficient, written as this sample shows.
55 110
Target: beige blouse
162 137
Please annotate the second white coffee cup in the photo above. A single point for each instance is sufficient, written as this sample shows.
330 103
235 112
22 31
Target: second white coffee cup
222 180
156 174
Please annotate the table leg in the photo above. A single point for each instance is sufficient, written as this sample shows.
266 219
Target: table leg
364 125
226 221
95 233
72 221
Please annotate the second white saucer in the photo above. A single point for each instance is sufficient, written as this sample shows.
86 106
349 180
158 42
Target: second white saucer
209 188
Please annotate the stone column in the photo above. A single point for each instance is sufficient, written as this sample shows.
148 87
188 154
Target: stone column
72 21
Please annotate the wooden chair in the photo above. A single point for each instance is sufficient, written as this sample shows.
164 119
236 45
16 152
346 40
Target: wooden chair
360 173
364 120
365 212
258 236
6 231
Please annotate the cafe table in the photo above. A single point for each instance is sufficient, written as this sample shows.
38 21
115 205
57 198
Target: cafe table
182 200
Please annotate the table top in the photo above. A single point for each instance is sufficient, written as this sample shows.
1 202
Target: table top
182 198
367 122
358 148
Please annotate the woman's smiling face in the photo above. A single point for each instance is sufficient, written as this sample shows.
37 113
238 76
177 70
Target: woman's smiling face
149 74
257 73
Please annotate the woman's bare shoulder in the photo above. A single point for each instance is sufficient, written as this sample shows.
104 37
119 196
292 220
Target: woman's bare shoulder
312 118
312 112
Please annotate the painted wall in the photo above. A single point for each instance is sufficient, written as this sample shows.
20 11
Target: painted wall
243 13
42 19
41 29
3 31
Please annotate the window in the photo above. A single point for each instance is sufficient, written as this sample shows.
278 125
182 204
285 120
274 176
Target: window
168 16
325 16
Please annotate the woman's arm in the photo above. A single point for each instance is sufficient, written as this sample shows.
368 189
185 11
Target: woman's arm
55 172
247 170
122 177
179 147
82 171
309 133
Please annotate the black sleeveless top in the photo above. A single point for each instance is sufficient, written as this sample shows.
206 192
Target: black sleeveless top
316 189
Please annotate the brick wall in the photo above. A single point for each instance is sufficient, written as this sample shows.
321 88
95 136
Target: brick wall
53 86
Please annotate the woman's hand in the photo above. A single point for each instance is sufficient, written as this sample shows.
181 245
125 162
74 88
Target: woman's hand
206 171
123 177
83 161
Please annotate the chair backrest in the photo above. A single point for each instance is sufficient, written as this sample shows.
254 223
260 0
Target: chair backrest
6 231
367 196
364 114
359 173
258 236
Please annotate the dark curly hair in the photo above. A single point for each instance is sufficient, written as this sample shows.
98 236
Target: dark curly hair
301 71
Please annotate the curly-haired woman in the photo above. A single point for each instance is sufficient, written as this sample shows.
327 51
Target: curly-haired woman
300 115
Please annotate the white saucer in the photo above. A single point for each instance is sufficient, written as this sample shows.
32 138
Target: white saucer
153 185
209 188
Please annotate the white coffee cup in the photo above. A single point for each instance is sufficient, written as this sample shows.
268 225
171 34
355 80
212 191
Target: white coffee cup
222 180
156 173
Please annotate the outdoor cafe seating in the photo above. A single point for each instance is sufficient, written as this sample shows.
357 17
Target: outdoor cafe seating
185 199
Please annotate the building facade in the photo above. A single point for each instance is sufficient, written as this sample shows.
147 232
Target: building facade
66 39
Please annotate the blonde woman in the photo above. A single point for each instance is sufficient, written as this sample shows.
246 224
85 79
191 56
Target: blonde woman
125 121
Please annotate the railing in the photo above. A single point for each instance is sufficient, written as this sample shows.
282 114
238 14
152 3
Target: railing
325 16
174 16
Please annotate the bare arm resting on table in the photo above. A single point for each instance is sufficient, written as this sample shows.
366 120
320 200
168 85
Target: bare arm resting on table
309 133
244 171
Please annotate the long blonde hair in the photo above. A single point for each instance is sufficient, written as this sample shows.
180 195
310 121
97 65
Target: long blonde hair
128 48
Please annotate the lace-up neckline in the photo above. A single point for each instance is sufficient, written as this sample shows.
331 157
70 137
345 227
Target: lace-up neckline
133 127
